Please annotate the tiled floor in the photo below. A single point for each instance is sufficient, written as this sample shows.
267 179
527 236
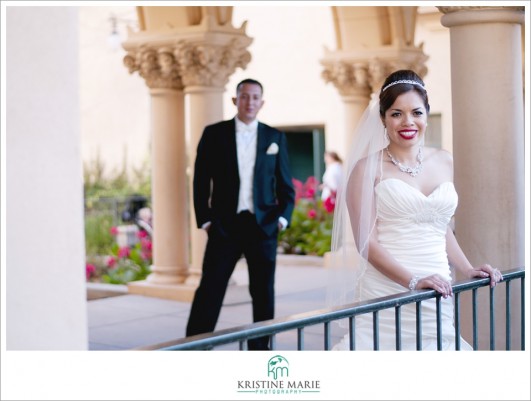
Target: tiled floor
130 321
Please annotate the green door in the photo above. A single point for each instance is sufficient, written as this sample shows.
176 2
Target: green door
306 150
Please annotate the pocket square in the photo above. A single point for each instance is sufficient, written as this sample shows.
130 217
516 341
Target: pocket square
272 149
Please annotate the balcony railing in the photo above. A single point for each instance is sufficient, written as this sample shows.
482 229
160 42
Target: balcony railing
324 317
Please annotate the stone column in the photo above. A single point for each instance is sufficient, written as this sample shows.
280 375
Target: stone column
207 64
488 126
198 62
170 252
352 81
157 65
207 104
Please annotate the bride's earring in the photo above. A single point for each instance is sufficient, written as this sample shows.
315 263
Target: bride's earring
386 135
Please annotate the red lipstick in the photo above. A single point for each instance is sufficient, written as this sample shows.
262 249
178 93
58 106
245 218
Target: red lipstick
407 134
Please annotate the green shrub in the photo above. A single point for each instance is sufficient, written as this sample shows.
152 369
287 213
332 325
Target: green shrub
98 237
129 263
105 197
121 265
97 183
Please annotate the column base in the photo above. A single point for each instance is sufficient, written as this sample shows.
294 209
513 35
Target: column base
193 279
175 292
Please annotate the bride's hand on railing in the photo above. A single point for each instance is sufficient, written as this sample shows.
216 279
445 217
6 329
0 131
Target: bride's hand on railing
437 283
485 271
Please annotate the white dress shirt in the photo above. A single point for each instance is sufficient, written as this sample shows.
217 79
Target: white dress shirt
246 135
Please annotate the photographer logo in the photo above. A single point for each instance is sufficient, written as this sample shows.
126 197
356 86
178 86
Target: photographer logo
278 366
279 381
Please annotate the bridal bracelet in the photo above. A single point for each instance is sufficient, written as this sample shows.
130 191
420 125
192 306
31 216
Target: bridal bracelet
413 283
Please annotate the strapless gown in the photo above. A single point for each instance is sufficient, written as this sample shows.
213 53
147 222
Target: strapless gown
412 227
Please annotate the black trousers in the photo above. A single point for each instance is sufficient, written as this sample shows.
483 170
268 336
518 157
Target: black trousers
224 249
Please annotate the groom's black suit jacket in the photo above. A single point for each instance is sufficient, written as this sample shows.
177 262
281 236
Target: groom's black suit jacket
217 180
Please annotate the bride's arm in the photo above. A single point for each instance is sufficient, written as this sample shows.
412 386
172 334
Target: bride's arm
386 264
457 258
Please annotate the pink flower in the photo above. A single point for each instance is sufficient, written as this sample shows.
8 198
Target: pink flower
311 182
141 234
330 204
114 230
311 185
123 252
146 255
312 213
298 186
146 244
305 190
111 261
89 270
310 192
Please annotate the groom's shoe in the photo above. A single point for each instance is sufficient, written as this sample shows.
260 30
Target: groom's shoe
258 344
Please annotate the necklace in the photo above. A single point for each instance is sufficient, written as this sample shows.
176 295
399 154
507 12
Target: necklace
412 171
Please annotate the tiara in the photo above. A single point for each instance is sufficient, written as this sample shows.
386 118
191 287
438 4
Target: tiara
403 81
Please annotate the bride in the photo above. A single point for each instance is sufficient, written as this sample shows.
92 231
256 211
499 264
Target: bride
391 224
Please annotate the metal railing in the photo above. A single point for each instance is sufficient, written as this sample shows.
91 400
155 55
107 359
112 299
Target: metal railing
300 321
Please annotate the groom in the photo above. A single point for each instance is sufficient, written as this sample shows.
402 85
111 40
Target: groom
243 196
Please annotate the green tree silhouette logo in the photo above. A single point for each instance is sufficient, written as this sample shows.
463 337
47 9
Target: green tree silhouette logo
278 366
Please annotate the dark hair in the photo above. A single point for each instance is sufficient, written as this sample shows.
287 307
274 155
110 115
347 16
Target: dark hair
249 81
389 95
334 156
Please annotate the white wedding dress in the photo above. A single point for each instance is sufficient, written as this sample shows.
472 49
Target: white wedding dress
412 227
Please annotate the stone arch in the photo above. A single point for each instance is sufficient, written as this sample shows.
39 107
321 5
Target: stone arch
171 17
376 26
373 42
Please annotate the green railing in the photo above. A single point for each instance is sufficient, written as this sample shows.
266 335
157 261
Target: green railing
301 321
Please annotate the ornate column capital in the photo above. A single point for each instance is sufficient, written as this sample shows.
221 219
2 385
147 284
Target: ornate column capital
357 74
176 60
157 66
350 78
208 63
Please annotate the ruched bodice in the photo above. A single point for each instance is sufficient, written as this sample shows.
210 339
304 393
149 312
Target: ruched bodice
401 207
412 227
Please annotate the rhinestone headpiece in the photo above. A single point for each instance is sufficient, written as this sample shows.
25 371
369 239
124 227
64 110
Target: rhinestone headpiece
403 81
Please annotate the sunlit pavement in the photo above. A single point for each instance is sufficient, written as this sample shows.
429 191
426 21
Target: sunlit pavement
129 321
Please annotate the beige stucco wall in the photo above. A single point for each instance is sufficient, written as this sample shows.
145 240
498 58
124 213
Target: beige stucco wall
115 107
45 271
